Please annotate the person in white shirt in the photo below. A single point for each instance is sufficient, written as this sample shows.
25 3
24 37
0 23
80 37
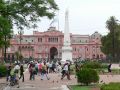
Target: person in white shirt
16 71
65 71
59 69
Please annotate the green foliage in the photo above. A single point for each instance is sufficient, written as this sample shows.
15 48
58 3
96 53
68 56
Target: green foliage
111 41
3 70
22 13
111 86
18 56
72 69
104 66
87 76
26 12
92 64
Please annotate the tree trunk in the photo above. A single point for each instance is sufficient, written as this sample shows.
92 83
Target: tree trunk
2 55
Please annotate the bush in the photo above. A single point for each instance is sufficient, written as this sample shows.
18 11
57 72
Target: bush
111 86
87 76
72 69
3 70
93 65
104 66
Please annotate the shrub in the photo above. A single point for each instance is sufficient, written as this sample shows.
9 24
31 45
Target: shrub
104 66
93 65
111 86
72 69
3 70
87 76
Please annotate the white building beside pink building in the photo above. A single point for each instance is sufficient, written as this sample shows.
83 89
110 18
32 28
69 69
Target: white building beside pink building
48 44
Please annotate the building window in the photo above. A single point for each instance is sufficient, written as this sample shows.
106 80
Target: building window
93 56
101 56
75 49
48 39
39 39
87 49
12 49
97 56
52 39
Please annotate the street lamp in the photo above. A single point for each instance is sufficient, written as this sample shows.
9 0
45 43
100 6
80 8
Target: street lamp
29 48
20 32
47 57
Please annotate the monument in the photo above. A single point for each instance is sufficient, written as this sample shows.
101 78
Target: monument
66 49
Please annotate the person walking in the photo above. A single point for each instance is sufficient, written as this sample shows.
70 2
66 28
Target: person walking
8 73
30 71
21 73
68 74
109 68
44 72
65 71
59 69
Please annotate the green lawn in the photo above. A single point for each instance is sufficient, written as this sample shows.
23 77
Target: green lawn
77 87
111 86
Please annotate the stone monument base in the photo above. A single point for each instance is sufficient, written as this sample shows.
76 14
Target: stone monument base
66 54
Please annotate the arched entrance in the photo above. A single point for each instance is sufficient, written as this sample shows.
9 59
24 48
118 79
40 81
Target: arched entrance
53 53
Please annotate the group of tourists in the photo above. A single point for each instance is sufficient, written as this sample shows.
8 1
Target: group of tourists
44 68
16 71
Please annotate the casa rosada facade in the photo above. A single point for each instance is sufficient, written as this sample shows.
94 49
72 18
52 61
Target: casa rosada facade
48 45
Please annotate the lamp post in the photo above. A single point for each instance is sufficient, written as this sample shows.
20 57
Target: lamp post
47 57
20 32
29 48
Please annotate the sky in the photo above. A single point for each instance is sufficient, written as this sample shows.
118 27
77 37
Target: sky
85 16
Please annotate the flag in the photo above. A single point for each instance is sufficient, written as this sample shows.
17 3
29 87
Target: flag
53 21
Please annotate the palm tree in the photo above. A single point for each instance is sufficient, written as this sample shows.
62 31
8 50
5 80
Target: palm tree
112 24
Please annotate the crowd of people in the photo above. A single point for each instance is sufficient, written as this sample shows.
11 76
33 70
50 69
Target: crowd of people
44 68
15 72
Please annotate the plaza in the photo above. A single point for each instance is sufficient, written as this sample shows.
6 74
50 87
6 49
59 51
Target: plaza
59 45
55 83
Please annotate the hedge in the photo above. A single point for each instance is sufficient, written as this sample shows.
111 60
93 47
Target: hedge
91 64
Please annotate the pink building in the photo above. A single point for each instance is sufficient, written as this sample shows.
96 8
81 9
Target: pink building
49 44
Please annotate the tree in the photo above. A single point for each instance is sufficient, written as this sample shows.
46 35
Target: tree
111 42
23 13
27 12
5 34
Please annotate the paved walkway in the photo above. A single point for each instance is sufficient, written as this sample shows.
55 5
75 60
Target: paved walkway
55 83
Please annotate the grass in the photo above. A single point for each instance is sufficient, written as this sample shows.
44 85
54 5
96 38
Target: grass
111 86
78 87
